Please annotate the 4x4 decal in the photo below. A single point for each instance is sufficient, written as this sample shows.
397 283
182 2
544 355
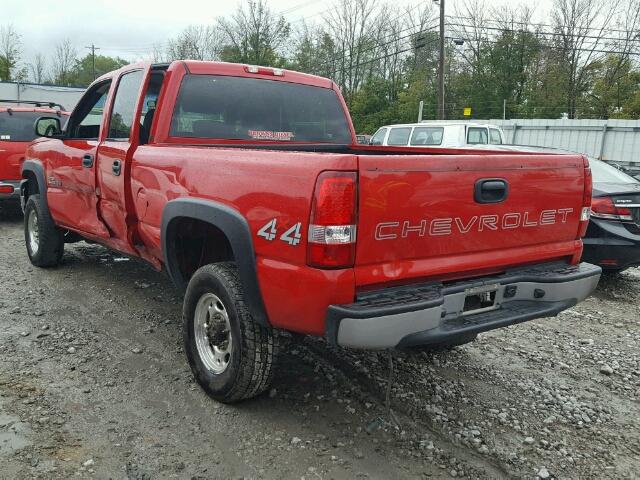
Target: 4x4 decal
292 236
268 231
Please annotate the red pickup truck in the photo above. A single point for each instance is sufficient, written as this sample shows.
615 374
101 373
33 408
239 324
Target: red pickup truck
16 133
247 185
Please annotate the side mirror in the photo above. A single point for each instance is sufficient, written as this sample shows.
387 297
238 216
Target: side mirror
48 127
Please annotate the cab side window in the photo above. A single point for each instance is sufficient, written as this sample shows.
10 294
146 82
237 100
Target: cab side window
399 136
87 117
494 136
477 136
427 136
149 105
124 105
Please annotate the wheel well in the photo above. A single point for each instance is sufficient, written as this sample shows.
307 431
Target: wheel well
198 243
31 186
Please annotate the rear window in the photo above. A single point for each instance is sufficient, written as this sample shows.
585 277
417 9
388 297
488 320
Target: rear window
399 136
477 136
605 173
427 136
211 106
19 126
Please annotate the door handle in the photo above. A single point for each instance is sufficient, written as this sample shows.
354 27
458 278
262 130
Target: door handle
116 167
491 190
87 160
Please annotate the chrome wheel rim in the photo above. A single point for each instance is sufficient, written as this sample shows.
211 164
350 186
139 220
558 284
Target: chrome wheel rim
212 332
32 231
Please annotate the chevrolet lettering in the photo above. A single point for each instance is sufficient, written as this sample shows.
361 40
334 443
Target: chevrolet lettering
476 223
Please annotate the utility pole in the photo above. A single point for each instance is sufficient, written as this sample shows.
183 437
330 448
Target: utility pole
93 49
441 65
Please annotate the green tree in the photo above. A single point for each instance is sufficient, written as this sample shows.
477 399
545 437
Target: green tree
371 106
501 70
10 50
254 34
614 83
82 72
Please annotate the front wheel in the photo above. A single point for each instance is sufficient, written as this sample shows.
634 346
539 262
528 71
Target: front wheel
44 241
231 356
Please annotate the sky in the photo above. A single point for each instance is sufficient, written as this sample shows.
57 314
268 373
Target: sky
130 28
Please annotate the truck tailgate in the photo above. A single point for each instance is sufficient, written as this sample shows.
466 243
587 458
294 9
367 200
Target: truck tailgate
442 215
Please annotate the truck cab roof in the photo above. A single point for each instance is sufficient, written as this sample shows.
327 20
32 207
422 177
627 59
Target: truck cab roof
198 67
442 123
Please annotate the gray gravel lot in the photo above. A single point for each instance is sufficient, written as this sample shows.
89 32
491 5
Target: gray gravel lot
94 384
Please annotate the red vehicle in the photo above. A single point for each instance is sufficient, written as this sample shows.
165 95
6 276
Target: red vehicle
246 184
16 133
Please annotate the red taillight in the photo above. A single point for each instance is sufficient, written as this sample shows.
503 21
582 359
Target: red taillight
604 208
6 189
332 224
609 262
586 199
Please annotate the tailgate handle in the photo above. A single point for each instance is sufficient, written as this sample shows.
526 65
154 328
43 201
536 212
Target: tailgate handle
491 190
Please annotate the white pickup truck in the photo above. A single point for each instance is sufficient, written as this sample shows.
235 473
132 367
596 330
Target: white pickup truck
438 133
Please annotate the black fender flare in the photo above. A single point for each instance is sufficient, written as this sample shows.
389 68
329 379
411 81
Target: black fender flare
237 231
35 167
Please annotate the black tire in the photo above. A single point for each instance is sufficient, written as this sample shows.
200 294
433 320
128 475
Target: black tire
611 273
251 365
48 246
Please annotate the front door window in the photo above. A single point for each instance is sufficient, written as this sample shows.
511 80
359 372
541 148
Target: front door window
87 117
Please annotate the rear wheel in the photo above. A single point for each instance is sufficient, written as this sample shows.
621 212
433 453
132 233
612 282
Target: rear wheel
44 241
231 356
612 273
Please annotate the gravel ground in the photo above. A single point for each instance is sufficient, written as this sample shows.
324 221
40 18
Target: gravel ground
94 384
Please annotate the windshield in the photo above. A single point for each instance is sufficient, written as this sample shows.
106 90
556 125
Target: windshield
604 173
211 106
18 126
378 138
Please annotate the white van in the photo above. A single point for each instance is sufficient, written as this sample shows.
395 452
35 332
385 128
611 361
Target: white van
438 134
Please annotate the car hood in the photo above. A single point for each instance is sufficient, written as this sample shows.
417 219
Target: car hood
605 188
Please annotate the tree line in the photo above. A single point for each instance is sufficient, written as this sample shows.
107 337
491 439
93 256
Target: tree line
582 62
65 67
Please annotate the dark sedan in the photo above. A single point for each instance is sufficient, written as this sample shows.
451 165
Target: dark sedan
613 237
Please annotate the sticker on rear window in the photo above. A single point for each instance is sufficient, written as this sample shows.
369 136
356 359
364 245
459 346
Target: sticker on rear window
5 137
270 135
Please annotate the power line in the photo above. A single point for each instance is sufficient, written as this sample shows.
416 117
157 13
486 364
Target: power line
543 33
597 29
297 7
583 50
342 55
333 60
